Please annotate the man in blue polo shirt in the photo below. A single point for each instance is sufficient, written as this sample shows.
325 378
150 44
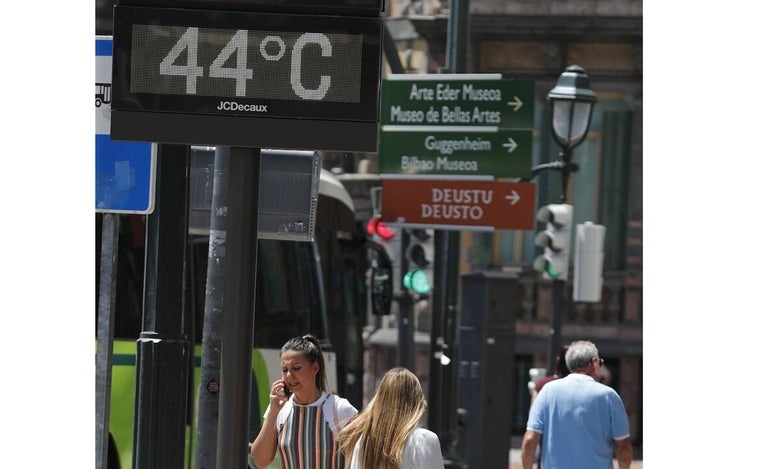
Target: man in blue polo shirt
578 421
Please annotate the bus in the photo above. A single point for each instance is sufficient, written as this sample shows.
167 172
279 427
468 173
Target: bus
316 287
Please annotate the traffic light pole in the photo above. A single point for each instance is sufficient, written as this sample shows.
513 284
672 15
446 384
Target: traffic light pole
565 166
555 324
405 324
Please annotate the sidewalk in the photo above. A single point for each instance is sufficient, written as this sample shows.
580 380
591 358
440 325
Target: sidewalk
515 461
515 457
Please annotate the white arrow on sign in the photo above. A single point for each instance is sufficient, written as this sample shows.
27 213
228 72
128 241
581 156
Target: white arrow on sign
511 145
513 197
516 103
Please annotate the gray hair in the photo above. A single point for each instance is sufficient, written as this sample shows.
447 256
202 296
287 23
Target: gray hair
580 354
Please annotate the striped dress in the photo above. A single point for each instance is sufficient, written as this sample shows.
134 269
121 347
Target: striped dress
306 440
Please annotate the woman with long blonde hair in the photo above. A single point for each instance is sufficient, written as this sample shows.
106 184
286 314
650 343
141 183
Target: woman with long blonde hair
385 434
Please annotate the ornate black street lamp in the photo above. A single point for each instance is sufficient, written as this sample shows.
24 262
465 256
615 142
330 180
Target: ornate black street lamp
571 103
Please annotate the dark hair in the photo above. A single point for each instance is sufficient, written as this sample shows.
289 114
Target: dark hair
309 346
561 368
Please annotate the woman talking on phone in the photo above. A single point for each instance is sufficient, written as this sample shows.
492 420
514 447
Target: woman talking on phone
302 419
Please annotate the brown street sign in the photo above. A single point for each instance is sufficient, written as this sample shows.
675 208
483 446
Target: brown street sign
459 204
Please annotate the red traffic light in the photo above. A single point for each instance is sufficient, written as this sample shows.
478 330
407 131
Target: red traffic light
376 226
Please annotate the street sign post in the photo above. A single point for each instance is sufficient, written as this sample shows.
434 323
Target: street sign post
124 171
459 204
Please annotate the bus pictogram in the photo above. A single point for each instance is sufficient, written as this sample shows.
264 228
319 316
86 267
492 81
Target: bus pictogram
102 94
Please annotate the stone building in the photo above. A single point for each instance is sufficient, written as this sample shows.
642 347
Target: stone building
537 40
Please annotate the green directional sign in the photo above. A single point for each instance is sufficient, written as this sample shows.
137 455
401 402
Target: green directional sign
457 100
455 151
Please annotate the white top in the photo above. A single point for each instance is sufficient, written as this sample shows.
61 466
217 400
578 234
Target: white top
345 410
421 451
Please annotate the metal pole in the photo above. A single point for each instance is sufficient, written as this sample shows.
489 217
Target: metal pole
566 169
239 308
405 325
555 324
163 350
558 285
210 371
457 36
443 379
106 309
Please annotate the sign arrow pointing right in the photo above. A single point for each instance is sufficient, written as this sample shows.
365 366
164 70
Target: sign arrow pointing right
513 197
516 103
511 145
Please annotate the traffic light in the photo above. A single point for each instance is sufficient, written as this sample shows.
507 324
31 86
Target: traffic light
381 290
588 262
556 239
381 284
375 226
420 256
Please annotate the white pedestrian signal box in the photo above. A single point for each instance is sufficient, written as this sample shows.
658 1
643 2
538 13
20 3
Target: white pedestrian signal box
588 262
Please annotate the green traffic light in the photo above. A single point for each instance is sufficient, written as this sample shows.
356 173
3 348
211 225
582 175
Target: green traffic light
551 270
417 281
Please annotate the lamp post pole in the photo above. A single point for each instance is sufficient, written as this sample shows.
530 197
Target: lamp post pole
571 102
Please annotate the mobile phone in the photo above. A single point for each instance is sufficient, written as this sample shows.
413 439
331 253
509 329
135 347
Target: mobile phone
287 391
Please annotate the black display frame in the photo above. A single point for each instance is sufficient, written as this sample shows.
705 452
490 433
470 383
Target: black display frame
326 126
316 7
370 29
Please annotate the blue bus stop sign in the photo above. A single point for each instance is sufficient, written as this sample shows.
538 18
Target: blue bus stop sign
124 171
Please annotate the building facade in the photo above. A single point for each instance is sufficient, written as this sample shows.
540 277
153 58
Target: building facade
537 40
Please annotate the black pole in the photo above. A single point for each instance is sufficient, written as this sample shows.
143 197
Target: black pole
239 307
457 36
443 379
436 410
210 371
163 349
106 310
566 169
558 285
555 324
405 325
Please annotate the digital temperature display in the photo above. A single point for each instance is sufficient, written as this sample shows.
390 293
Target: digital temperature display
246 65
239 63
